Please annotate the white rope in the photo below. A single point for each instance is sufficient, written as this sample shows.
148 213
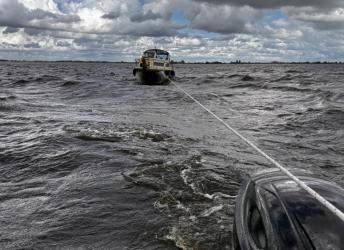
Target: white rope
313 193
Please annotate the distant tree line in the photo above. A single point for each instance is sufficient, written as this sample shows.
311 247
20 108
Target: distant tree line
243 62
183 62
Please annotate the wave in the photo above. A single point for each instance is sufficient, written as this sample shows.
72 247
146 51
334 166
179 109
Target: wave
213 78
151 135
90 133
314 119
207 79
259 85
7 98
70 83
287 77
247 78
293 71
21 82
327 96
47 78
338 113
338 97
90 137
9 107
305 83
233 76
107 132
211 210
245 85
289 88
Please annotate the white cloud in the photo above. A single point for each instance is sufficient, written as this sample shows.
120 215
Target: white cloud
47 5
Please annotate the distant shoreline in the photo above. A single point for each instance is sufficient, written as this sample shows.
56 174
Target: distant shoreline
177 62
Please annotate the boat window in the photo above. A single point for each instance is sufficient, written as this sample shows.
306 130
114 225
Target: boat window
162 56
149 55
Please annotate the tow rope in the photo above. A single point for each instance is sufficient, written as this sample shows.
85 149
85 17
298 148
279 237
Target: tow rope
308 189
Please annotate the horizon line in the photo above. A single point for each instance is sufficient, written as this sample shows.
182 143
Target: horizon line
182 61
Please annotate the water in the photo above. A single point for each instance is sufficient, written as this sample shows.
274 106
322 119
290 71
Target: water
90 159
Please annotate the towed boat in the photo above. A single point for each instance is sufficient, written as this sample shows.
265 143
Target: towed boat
154 67
273 212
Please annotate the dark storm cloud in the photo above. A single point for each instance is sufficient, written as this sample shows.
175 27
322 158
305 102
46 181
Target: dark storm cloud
111 15
84 40
15 14
96 42
62 44
320 14
9 30
145 16
32 46
225 19
328 25
33 31
320 19
152 30
271 4
216 27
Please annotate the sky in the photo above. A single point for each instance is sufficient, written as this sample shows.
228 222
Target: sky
191 30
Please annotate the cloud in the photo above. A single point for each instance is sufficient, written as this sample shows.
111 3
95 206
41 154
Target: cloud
161 8
33 31
320 19
9 30
272 4
63 44
323 15
111 15
225 19
193 30
15 14
149 15
32 45
207 17
152 28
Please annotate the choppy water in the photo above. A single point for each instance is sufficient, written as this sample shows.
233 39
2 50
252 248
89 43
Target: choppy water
90 159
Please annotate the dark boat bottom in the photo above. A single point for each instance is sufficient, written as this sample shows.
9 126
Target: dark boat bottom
150 77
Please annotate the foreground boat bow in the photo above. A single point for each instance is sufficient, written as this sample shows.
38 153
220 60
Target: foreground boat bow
273 212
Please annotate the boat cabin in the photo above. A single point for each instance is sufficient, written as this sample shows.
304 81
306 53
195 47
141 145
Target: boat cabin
157 54
155 59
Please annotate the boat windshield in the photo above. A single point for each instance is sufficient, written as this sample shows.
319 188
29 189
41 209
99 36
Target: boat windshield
162 56
159 54
149 54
